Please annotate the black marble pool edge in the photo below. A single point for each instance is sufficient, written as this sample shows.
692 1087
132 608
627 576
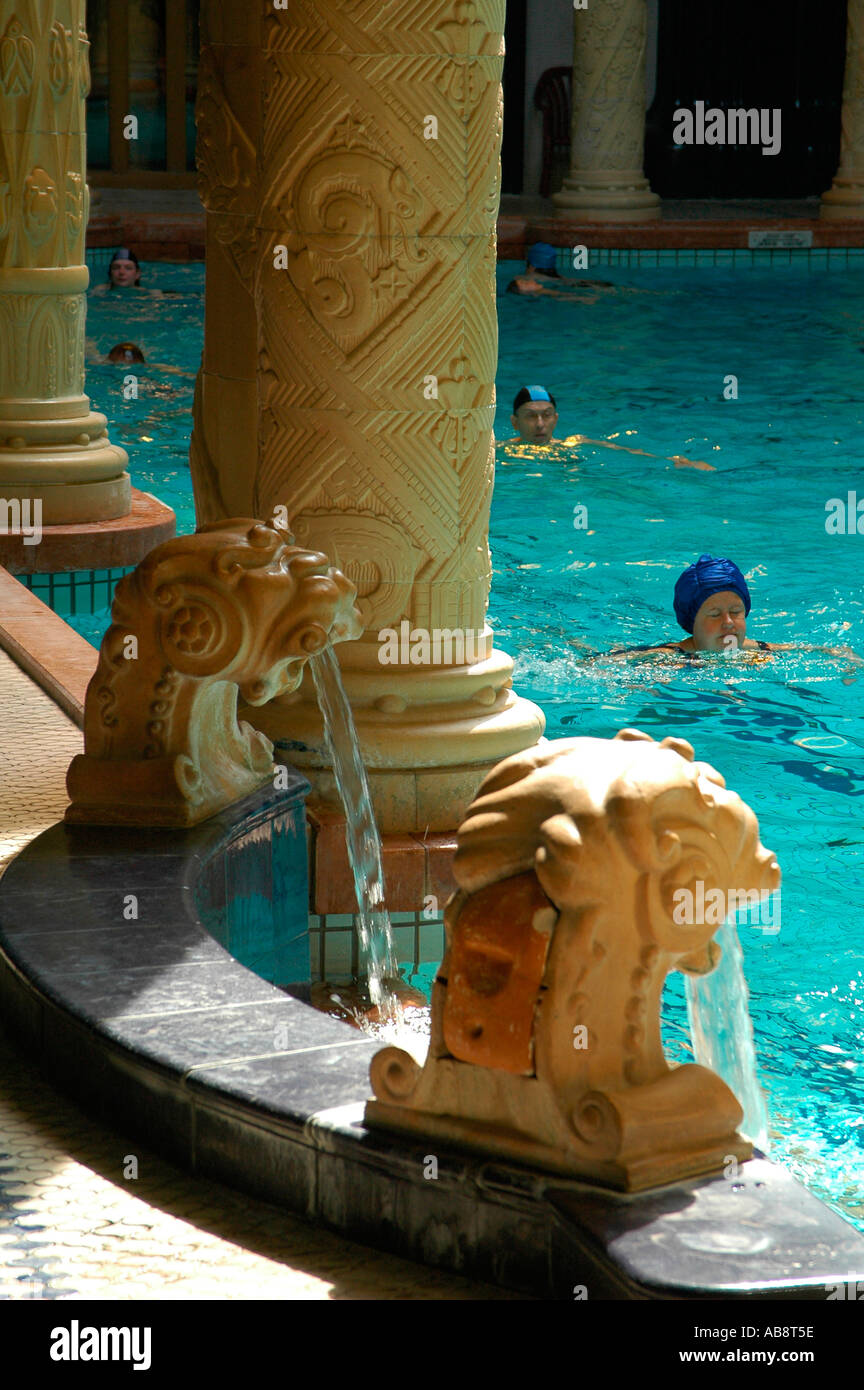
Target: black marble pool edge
160 1034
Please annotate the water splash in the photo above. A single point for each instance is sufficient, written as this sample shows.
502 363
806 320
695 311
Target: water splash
377 955
722 1032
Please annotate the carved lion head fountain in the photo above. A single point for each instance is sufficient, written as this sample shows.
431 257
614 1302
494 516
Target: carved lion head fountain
234 607
546 1044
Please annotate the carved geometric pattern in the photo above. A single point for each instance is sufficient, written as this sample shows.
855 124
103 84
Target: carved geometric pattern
384 283
17 59
461 28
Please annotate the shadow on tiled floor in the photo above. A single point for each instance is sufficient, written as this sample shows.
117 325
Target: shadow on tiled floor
72 1226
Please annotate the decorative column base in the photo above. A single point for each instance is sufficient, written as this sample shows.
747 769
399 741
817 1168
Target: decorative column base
844 201
617 196
52 476
428 737
54 449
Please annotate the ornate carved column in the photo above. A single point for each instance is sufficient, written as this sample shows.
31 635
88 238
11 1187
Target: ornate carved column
374 286
53 447
845 197
224 449
606 182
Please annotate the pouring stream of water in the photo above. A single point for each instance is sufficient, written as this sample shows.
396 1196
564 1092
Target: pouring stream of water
377 955
722 1032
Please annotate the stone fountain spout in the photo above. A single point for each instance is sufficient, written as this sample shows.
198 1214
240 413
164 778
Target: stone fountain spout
545 1045
234 608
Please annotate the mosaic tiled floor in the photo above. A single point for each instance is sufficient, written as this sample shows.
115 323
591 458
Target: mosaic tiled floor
75 1223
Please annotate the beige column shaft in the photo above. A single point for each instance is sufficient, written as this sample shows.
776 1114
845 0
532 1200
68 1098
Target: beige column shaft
54 449
606 182
845 198
224 449
374 288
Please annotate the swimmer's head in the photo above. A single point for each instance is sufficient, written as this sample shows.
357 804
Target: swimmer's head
541 256
126 352
712 601
124 270
534 415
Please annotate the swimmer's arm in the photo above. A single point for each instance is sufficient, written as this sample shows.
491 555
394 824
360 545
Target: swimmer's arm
662 648
846 652
678 459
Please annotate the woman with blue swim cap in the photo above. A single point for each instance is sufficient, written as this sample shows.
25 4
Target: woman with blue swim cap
712 603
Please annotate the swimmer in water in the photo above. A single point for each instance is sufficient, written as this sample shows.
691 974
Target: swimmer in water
534 416
541 277
124 273
712 603
126 352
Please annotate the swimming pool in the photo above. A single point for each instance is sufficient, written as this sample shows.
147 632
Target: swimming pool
648 372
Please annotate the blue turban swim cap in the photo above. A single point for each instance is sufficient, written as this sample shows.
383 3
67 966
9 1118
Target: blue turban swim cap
542 256
698 582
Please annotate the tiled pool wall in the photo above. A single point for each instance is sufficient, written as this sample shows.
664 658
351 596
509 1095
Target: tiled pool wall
726 258
72 593
333 942
253 896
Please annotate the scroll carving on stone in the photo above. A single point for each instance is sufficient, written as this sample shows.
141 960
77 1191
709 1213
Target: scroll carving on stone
234 607
545 1043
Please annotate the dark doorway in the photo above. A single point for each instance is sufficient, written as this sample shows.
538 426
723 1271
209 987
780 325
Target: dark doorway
777 53
512 150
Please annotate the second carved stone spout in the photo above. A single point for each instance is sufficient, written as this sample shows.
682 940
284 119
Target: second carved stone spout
546 1043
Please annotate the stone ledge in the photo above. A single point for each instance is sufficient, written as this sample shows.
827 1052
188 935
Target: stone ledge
93 545
52 653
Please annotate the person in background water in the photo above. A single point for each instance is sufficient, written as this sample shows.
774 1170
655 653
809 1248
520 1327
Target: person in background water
541 276
124 273
534 415
126 352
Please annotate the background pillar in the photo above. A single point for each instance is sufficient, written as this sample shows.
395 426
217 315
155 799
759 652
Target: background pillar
845 197
606 182
53 447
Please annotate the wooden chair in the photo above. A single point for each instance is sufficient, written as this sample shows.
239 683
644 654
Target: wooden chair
552 97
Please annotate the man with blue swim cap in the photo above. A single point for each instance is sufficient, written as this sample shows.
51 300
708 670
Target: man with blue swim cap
534 415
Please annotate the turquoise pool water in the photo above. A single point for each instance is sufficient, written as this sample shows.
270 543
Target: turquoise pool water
644 367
